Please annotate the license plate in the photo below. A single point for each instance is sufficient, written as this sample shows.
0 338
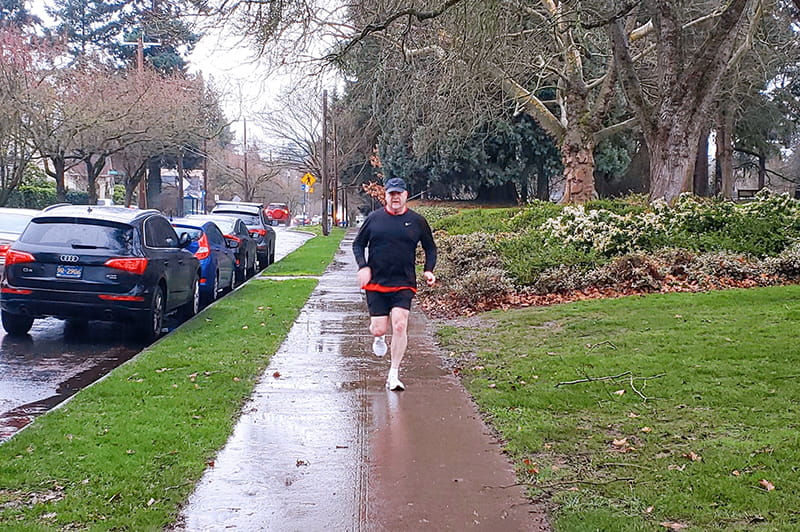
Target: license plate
69 272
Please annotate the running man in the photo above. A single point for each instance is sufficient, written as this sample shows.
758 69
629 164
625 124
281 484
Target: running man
388 276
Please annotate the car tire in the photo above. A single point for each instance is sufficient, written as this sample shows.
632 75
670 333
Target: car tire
232 284
251 271
211 297
154 319
192 307
16 324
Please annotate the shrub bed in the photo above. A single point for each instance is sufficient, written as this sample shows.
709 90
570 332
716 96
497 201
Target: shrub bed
497 258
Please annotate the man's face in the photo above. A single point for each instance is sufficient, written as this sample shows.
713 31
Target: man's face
396 201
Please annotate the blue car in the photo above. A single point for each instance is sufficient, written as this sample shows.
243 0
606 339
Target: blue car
217 256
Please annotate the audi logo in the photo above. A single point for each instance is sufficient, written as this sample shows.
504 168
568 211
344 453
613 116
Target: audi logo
69 258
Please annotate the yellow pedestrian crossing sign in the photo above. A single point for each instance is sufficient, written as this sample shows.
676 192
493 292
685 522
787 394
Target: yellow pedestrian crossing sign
308 180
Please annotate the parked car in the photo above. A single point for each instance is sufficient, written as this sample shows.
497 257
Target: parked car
278 213
12 223
216 254
234 229
256 220
302 219
107 263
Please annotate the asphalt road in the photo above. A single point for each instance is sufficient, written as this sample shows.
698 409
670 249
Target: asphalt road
57 359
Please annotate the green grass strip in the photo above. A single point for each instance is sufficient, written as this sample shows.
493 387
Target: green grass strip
125 453
707 415
315 255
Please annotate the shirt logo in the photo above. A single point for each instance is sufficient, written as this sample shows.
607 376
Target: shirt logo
407 224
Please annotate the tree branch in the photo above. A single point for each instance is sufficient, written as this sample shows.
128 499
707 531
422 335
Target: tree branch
411 13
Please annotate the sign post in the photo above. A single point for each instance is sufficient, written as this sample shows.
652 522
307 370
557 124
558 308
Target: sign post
307 181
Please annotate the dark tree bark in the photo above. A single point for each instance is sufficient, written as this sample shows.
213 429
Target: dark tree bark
701 166
672 124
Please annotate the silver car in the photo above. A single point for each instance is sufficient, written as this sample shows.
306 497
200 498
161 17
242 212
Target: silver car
12 222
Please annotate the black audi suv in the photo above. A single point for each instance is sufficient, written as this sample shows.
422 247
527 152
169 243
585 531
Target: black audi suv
104 263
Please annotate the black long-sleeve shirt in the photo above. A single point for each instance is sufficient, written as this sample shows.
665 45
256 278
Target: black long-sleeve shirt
392 241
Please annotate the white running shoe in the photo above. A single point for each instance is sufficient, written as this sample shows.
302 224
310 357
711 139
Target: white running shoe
379 346
393 382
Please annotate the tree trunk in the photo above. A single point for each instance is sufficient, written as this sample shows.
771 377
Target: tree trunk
577 155
154 182
725 155
542 182
671 166
505 194
701 166
58 173
762 171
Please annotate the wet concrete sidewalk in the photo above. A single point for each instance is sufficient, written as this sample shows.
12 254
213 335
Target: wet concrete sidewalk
324 446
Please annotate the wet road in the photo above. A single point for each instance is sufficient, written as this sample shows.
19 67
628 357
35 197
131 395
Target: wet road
324 446
53 362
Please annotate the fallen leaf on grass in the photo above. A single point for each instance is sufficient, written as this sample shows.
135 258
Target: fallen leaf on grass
694 457
619 392
151 502
620 443
766 484
735 473
493 385
675 467
245 327
646 429
671 525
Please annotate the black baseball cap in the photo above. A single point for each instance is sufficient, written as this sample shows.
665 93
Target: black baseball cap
395 184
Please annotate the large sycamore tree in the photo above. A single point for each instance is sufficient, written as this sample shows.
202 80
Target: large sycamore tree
440 67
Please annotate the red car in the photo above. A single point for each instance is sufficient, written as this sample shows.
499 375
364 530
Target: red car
278 213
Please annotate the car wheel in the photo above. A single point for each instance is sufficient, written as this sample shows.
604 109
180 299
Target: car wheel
192 306
212 296
154 320
232 284
16 324
251 271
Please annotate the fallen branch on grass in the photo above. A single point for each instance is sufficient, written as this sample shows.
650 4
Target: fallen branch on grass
592 379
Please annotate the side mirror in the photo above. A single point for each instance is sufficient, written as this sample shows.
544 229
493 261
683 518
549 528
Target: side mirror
184 240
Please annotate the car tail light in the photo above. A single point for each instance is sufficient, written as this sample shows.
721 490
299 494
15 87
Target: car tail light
16 257
259 232
203 251
114 297
135 265
234 238
18 291
4 249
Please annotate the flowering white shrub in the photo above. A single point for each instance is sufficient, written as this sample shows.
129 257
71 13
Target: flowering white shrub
613 234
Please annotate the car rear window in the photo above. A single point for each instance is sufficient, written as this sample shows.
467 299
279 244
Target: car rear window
193 232
95 234
249 219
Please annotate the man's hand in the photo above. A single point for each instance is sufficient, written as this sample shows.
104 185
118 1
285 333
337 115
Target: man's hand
429 278
364 276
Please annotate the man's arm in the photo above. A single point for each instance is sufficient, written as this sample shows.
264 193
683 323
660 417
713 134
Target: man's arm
428 245
360 244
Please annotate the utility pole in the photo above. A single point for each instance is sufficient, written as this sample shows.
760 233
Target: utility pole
140 44
205 176
325 180
246 186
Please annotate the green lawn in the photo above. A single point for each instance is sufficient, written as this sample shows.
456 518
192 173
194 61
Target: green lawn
700 423
126 452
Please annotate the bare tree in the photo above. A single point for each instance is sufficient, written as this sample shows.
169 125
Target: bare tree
687 77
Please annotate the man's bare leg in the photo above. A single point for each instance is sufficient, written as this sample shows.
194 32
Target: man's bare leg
399 335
